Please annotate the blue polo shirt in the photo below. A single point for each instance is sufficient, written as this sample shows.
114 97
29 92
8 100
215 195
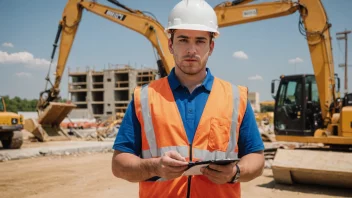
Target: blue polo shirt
190 106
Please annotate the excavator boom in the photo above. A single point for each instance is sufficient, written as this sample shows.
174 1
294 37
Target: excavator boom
51 112
316 29
132 19
319 42
229 15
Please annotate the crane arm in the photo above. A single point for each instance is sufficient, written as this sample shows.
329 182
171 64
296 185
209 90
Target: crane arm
316 30
132 19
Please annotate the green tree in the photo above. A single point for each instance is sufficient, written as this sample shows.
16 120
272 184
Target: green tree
17 104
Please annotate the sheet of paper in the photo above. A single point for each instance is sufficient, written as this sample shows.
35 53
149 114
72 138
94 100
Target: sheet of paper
194 170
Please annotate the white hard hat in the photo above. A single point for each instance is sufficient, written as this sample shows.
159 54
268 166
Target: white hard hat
193 15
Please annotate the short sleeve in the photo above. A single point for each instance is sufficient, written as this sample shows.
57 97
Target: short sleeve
249 140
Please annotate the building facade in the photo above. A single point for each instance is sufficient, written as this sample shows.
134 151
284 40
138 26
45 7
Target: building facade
107 92
253 98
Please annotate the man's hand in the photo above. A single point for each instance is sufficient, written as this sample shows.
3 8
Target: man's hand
171 165
219 174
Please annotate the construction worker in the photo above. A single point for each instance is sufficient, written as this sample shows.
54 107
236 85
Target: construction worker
190 115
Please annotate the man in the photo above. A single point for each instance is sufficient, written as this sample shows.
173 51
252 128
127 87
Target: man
189 115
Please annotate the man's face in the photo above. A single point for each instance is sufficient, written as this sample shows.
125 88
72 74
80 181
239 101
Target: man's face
191 50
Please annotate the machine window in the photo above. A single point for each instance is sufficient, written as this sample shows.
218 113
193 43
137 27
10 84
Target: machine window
291 92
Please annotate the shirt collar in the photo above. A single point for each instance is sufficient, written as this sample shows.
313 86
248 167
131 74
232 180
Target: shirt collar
175 83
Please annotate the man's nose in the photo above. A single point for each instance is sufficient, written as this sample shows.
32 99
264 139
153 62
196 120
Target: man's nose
191 49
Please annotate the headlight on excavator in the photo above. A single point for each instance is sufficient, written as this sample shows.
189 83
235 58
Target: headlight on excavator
14 121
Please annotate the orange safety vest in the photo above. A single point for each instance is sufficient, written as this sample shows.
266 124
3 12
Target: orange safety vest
215 138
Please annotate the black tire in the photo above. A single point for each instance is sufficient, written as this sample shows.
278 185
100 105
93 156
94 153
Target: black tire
14 141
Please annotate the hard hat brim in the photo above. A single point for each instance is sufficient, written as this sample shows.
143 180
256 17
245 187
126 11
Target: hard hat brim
193 27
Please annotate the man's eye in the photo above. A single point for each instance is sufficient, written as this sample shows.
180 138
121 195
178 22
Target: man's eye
200 41
183 40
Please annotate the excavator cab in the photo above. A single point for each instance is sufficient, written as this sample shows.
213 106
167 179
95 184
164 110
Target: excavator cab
297 111
347 100
298 118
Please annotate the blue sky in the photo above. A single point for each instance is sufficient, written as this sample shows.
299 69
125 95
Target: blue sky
28 30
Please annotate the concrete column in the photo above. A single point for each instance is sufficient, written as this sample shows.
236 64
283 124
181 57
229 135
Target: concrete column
109 84
89 90
132 84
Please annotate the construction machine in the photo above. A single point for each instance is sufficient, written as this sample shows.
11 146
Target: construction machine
11 125
51 112
308 108
265 121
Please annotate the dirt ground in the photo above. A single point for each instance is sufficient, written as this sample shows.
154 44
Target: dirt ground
89 175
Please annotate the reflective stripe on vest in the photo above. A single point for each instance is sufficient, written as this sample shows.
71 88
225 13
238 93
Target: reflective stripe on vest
154 151
148 125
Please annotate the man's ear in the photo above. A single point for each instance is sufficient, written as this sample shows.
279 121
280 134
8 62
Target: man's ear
170 46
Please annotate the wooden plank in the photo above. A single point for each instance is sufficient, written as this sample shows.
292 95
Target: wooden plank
313 167
324 140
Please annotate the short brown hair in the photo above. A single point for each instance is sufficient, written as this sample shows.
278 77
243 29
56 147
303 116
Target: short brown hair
172 33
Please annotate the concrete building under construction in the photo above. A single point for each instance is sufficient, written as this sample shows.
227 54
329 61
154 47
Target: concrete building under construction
105 93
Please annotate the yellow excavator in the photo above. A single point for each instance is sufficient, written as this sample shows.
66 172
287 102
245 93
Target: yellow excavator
308 108
11 125
51 112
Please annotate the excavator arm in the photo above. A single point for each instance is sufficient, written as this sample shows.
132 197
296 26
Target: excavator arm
132 19
230 14
316 31
50 112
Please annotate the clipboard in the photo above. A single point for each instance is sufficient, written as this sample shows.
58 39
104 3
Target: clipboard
194 167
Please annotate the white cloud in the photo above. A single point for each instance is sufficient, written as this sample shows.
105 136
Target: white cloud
25 58
7 45
240 55
295 60
23 74
256 77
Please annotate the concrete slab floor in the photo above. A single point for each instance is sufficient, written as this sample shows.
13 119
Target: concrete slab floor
37 149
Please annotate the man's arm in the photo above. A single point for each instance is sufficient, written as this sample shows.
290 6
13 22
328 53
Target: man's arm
127 164
134 169
251 147
251 166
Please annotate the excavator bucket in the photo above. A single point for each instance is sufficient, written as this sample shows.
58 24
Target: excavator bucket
55 113
47 127
313 167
